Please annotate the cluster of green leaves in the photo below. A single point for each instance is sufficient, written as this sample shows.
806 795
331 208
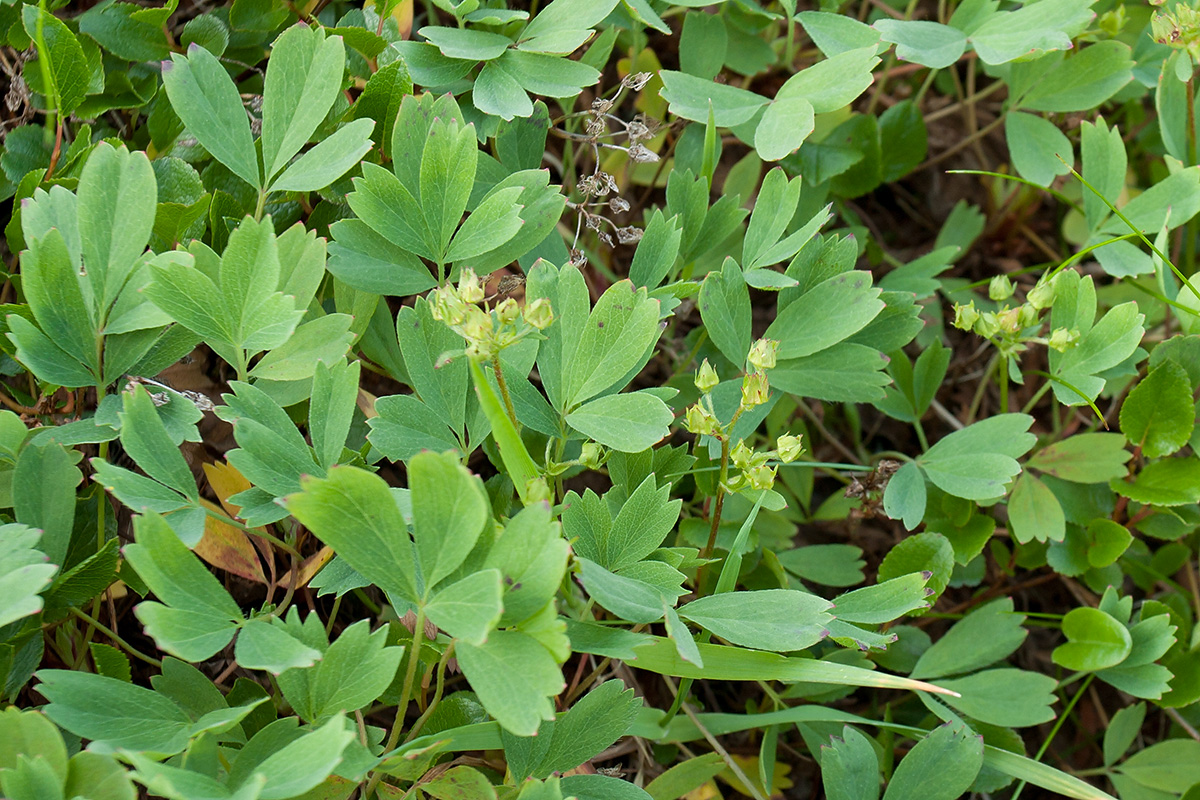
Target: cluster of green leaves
518 477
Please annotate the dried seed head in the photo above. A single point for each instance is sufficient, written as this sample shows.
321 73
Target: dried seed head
591 220
601 105
609 183
637 80
606 238
588 185
596 127
637 131
629 235
578 259
618 204
641 154
510 283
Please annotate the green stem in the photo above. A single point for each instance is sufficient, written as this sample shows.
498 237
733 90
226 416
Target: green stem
95 623
437 694
262 203
500 382
1002 369
921 435
405 694
1058 724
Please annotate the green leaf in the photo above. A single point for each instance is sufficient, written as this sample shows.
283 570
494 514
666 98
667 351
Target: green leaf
332 158
1169 766
1084 458
1094 641
616 338
322 340
601 716
922 552
1107 541
657 251
1123 729
836 33
1040 151
266 644
331 409
305 762
845 372
630 594
354 513
883 602
1170 482
145 438
1083 80
30 734
381 99
470 608
448 164
691 98
849 767
802 328
520 465
768 619
1011 698
686 776
643 522
53 287
367 261
725 309
564 25
1030 31
785 124
1158 415
629 423
942 766
976 462
68 70
405 427
353 671
703 43
929 44
904 497
986 635
449 511
833 83
205 98
494 221
114 714
1112 340
304 75
47 477
466 43
117 195
1034 512
515 677
23 573
199 617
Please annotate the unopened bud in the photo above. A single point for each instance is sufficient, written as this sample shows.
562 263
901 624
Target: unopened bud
538 491
508 311
706 377
700 421
1028 316
761 478
470 288
1062 339
755 390
1009 320
789 447
987 325
966 316
539 314
763 353
1041 296
447 306
742 456
1001 288
591 455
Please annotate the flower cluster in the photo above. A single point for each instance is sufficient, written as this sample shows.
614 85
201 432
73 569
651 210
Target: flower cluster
487 330
1014 327
754 468
1178 28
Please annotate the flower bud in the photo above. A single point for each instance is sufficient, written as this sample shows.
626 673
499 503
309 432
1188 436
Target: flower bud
1001 288
591 455
789 447
508 311
539 314
706 377
966 316
470 288
755 390
742 456
477 324
1009 320
1028 316
761 478
699 420
1041 296
538 491
987 324
447 306
1062 339
763 353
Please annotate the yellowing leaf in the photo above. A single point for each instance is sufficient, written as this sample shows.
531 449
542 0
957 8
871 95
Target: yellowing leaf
226 481
228 548
749 766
